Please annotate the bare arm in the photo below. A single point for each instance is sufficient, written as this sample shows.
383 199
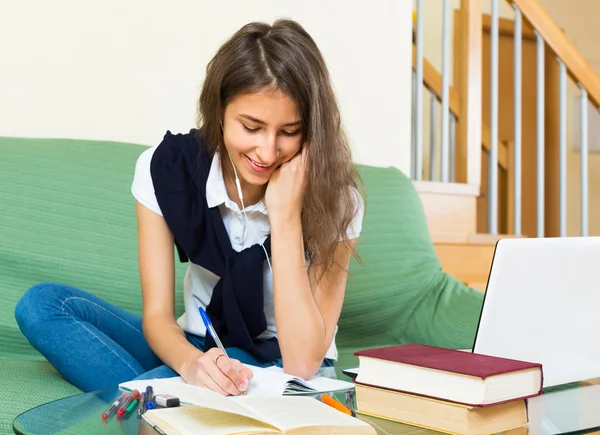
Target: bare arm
165 337
157 275
306 311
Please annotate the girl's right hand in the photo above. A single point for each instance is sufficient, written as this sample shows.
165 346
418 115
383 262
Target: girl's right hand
215 371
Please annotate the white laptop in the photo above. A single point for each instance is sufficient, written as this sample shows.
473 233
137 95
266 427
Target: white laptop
542 304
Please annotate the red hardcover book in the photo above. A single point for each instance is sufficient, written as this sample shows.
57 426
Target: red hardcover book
450 375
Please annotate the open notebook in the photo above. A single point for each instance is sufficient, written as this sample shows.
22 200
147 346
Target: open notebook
271 381
214 414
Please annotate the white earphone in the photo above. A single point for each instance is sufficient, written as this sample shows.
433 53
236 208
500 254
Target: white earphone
241 196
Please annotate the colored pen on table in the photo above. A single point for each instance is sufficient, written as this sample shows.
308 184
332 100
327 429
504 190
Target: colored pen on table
150 404
142 407
334 404
350 402
115 405
211 329
131 406
134 395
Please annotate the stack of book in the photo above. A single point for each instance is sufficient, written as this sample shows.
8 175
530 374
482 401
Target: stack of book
446 390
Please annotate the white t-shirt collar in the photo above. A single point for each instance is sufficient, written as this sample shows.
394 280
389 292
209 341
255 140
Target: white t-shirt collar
216 193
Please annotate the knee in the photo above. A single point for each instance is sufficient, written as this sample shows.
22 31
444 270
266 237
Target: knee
35 303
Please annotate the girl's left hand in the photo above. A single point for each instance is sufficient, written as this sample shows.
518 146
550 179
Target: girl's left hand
285 190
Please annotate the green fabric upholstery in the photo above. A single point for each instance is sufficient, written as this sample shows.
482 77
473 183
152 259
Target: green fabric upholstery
25 384
67 215
398 293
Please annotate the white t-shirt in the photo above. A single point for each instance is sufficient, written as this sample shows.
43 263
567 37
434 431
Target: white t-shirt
199 282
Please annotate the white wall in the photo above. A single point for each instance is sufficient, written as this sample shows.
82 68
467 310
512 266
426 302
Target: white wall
128 70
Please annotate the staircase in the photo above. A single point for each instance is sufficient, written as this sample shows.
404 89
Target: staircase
477 198
451 217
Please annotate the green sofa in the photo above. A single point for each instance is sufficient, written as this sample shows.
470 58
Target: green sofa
67 215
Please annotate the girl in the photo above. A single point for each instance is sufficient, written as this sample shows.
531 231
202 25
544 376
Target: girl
261 200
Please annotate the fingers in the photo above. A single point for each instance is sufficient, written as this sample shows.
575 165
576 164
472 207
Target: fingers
298 161
222 374
244 371
212 384
235 372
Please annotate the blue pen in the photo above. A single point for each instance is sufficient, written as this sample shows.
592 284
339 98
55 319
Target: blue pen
210 328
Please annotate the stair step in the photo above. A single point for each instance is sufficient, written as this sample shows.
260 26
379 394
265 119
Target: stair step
467 257
449 207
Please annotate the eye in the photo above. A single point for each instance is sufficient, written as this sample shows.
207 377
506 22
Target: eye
290 133
251 130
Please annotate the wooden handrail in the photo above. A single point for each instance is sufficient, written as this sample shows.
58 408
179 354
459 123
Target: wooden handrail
433 81
579 69
506 27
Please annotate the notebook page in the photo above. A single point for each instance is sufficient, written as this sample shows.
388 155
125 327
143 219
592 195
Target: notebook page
323 384
262 384
289 412
266 382
159 386
190 394
316 384
192 420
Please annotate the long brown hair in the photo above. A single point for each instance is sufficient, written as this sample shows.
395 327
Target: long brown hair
284 56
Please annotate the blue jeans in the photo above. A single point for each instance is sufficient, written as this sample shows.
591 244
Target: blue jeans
93 344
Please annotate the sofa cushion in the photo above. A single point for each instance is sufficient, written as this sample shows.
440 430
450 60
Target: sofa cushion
399 294
67 216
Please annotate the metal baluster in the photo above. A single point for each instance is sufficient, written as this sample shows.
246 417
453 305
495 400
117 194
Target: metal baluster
493 159
540 134
562 150
413 137
419 94
452 146
584 161
445 89
432 134
517 119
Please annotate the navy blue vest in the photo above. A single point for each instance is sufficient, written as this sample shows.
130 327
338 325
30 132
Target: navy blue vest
179 170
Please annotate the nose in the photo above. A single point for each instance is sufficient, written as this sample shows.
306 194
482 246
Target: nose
268 151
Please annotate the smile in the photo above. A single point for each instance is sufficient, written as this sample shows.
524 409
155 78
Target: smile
258 167
258 164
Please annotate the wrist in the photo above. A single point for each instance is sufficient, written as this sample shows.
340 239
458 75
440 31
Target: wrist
190 353
283 221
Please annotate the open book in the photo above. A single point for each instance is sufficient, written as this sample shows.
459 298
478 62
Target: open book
214 414
271 381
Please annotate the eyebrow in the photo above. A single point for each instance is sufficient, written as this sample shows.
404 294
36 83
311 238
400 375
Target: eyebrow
259 121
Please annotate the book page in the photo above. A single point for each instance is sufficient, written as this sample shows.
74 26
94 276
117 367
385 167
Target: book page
266 382
289 412
274 380
316 384
192 420
190 395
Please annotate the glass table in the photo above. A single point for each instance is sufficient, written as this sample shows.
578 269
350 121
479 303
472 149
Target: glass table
568 409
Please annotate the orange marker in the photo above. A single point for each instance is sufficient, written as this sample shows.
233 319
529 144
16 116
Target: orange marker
334 404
